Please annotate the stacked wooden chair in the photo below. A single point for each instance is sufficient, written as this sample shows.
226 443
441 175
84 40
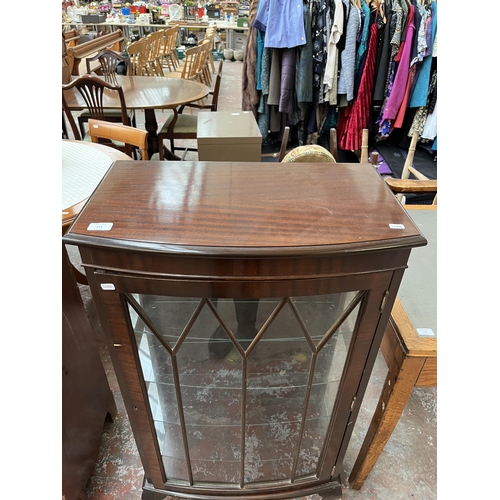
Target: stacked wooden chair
170 59
155 41
138 53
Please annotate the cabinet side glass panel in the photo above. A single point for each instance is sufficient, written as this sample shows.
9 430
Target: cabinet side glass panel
157 370
327 374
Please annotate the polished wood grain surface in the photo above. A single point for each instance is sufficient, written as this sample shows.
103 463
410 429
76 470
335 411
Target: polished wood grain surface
146 92
229 207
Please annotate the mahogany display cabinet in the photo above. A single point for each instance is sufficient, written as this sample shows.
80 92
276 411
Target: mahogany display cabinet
244 304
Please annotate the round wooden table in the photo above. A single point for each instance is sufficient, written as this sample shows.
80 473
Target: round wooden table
84 164
147 93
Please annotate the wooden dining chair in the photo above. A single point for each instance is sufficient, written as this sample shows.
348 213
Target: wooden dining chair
138 53
333 146
205 69
185 126
122 134
190 68
419 184
309 153
212 105
169 58
210 33
108 64
154 42
108 60
92 89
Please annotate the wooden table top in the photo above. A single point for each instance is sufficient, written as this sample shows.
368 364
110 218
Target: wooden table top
231 208
83 166
146 92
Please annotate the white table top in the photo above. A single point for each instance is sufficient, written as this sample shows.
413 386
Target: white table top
83 166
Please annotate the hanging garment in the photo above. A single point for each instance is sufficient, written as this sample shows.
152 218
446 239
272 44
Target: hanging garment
330 79
399 86
263 116
283 23
419 14
398 21
430 128
383 58
348 55
365 16
265 70
420 117
274 78
304 79
287 80
355 118
420 38
250 94
260 49
328 14
419 94
319 40
398 122
263 120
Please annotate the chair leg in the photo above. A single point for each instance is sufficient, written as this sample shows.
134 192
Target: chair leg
333 144
64 128
81 125
284 143
161 153
364 146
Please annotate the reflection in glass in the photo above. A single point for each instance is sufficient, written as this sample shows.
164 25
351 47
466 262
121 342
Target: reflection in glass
244 412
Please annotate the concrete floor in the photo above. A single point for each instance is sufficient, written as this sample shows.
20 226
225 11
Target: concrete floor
406 469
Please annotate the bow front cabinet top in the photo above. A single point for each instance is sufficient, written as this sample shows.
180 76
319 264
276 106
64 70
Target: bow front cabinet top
243 305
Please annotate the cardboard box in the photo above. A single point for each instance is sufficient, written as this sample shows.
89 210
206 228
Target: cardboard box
228 136
93 18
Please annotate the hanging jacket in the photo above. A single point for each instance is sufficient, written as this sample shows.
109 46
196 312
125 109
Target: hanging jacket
250 94
421 87
401 78
287 80
304 78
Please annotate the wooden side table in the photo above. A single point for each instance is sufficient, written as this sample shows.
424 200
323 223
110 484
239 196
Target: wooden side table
408 348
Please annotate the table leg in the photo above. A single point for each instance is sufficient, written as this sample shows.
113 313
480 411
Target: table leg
151 126
398 385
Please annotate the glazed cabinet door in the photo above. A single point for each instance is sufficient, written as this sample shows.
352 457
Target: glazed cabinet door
236 387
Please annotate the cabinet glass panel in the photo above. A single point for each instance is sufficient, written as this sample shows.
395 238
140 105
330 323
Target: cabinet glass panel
242 390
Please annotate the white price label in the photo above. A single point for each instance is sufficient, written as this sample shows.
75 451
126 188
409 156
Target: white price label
425 332
396 226
100 226
107 286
